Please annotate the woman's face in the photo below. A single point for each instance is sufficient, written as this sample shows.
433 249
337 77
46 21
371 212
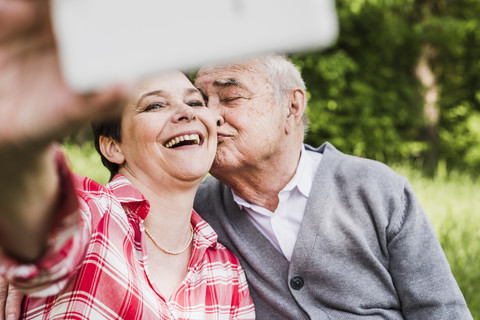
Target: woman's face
167 131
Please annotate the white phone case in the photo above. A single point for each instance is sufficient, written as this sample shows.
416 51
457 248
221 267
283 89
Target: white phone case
103 41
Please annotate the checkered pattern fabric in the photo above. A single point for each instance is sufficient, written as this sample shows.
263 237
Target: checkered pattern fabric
97 268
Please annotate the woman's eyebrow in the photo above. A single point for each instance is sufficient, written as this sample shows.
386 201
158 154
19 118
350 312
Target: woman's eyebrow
192 91
148 94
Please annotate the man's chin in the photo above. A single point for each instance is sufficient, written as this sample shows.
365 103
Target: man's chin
220 167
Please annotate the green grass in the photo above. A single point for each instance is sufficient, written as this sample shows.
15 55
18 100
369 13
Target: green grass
86 161
451 199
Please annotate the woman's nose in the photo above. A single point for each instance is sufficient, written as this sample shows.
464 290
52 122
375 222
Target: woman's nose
185 113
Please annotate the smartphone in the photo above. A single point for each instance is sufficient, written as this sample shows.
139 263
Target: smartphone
104 41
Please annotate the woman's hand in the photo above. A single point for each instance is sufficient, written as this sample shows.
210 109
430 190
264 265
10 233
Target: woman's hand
35 104
36 107
10 301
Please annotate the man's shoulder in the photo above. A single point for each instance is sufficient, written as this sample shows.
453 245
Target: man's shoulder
209 197
356 169
208 187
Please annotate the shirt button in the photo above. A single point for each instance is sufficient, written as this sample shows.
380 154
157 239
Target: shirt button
296 283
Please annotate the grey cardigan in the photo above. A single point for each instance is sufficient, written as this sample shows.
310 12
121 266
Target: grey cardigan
365 250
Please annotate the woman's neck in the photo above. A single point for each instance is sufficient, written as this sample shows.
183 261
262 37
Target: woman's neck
171 204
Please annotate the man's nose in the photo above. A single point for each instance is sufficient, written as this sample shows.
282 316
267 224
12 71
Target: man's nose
220 120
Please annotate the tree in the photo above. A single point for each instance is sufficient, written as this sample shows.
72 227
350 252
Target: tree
400 83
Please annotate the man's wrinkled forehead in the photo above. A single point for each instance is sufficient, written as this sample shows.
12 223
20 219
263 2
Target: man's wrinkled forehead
220 79
217 85
227 75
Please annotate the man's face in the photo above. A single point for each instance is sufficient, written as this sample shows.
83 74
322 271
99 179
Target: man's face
254 124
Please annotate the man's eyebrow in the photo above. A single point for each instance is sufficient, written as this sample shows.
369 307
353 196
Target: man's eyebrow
230 82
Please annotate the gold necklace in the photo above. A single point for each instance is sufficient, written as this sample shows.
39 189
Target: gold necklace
174 253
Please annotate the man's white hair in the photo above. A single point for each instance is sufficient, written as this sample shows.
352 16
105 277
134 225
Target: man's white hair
283 76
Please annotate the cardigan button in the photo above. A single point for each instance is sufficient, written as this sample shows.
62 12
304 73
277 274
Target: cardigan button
297 283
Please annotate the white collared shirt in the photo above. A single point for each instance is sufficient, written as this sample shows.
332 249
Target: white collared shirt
282 226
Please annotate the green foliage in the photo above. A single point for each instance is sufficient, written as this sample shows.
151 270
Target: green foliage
364 94
362 91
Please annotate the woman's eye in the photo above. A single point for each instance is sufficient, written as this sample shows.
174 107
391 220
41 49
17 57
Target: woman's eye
196 103
154 106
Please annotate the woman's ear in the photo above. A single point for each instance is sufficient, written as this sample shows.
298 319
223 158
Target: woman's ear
296 109
111 150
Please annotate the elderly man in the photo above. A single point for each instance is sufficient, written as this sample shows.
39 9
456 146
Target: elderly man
321 235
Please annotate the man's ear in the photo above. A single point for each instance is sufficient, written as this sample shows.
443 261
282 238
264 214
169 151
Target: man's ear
296 109
111 150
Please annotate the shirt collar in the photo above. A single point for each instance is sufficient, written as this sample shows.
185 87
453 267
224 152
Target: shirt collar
205 235
304 174
125 192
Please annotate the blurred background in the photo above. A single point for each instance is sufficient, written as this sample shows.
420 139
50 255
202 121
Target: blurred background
402 86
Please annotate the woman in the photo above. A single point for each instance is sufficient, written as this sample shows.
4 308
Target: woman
137 250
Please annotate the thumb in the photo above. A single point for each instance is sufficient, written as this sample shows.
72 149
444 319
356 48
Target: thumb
107 102
14 303
83 109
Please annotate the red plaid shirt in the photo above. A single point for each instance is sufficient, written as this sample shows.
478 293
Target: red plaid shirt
97 268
